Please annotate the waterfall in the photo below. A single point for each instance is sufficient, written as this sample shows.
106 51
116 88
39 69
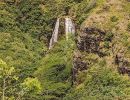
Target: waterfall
69 27
54 37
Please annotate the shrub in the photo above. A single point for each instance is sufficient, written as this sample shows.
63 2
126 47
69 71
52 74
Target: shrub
128 27
109 36
114 19
102 83
55 71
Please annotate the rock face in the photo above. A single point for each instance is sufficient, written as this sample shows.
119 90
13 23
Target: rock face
78 66
123 65
104 34
90 40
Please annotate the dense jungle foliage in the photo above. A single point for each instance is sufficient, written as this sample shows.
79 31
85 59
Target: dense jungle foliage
30 71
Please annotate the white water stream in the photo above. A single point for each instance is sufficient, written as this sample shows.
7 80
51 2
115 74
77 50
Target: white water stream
54 37
69 29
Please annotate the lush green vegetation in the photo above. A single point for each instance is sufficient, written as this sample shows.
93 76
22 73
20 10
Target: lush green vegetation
101 83
29 71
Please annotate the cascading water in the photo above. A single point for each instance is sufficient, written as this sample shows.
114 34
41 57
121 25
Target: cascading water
54 37
69 27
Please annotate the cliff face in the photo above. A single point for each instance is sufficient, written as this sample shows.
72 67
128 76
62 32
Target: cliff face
90 40
106 33
104 47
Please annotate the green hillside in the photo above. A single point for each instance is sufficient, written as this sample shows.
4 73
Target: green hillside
93 64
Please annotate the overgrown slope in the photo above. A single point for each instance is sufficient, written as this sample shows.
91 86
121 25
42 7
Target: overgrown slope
104 43
93 65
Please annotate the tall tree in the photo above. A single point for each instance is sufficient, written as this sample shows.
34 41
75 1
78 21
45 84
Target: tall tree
6 78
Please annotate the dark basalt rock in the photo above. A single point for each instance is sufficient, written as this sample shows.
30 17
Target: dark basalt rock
122 65
90 39
78 65
124 70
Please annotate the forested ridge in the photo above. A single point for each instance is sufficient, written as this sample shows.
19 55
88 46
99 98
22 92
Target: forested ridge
93 64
